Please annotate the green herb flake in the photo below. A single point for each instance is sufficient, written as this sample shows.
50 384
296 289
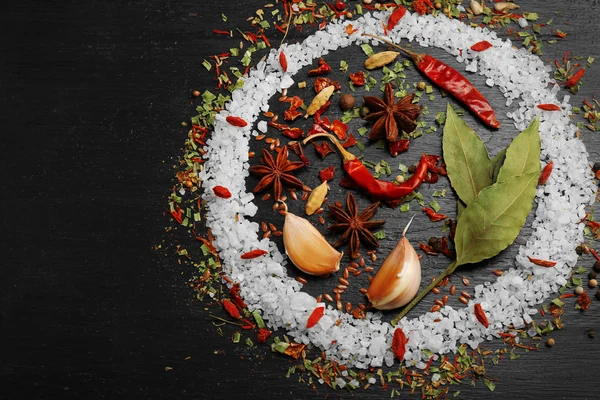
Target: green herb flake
368 50
207 65
380 144
435 206
359 10
590 60
531 16
235 338
439 193
405 207
249 342
258 319
489 384
224 17
580 270
343 66
362 131
380 235
360 146
557 302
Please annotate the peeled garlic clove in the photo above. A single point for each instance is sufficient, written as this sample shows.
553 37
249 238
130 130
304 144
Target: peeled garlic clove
316 198
476 7
307 248
398 279
505 6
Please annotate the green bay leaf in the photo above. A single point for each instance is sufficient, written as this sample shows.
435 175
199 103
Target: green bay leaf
523 154
467 160
494 218
496 164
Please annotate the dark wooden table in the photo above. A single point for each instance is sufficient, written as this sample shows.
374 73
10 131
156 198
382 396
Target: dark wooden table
93 95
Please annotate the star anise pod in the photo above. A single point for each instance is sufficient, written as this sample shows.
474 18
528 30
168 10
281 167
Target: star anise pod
391 118
355 226
277 172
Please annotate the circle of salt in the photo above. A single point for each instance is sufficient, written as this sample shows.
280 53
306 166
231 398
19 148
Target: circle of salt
511 300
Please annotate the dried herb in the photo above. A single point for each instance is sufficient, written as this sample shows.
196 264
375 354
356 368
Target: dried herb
523 154
354 225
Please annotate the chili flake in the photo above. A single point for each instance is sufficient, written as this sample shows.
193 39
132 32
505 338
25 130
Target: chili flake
222 192
399 342
315 317
357 78
326 174
322 69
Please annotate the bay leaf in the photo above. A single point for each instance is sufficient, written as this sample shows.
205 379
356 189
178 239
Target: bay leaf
496 164
460 207
523 154
467 160
494 218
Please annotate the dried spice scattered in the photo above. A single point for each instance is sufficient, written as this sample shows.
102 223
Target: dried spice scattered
542 263
392 118
291 132
395 17
357 78
297 149
323 82
354 225
323 148
283 61
399 342
315 317
545 173
480 314
433 216
231 309
253 254
322 69
277 172
481 46
548 107
222 192
236 121
326 174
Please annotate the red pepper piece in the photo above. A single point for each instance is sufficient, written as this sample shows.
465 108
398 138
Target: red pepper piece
326 174
290 115
546 173
292 133
480 314
222 192
321 111
350 141
262 335
231 309
399 344
395 17
340 129
283 61
548 107
222 32
322 69
542 263
321 83
316 129
234 293
584 301
350 29
295 350
253 254
299 151
323 149
399 146
431 177
358 78
236 121
433 216
315 317
427 249
481 46
574 80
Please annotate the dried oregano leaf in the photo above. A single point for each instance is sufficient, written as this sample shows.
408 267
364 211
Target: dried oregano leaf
493 220
523 154
466 157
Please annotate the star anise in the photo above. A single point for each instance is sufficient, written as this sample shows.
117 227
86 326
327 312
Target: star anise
391 118
277 172
355 226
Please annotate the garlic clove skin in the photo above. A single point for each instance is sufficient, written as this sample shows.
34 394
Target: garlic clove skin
398 280
308 250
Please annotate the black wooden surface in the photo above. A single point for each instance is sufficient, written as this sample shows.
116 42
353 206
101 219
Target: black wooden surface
93 95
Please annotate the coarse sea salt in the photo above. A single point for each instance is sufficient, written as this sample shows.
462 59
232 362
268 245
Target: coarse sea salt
511 300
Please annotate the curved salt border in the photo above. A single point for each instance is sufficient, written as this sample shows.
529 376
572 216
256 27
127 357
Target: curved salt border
510 300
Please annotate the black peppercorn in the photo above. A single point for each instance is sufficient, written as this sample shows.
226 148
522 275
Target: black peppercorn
596 166
597 266
592 275
591 334
598 294
435 244
579 250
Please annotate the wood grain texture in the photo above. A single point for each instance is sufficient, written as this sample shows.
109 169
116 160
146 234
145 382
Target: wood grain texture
93 95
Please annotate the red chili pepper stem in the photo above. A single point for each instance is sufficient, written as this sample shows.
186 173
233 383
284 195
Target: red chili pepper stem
420 296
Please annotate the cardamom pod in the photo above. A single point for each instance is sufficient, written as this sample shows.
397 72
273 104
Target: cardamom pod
505 6
316 198
320 99
380 59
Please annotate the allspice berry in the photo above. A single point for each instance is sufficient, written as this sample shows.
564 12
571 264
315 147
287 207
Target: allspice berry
550 342
597 266
346 102
421 85
592 283
592 275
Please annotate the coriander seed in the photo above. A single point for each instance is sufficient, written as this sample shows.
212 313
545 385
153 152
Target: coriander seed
596 266
593 283
579 290
438 5
550 342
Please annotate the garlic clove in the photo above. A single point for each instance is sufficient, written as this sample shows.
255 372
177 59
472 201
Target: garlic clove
308 250
398 279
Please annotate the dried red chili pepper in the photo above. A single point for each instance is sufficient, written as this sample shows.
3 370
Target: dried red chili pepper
431 177
584 301
399 146
222 192
350 29
315 130
236 121
315 317
350 141
452 82
395 17
326 174
480 314
292 133
262 335
299 151
399 344
290 115
481 46
322 69
357 78
323 149
546 173
295 350
574 80
234 293
231 309
340 129
320 112
433 216
548 107
542 263
283 61
427 249
222 32
380 190
321 83
253 254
